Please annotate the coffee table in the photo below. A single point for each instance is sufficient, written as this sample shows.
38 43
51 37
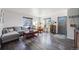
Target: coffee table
30 34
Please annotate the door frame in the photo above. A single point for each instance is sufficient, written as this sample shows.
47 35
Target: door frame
65 24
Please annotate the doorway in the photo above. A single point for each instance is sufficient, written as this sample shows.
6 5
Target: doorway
47 22
62 25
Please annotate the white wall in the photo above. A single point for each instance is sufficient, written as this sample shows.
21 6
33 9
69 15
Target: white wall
1 24
70 30
12 18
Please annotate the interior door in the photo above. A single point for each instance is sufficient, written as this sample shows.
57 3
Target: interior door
62 26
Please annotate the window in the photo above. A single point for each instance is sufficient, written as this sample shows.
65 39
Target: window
26 22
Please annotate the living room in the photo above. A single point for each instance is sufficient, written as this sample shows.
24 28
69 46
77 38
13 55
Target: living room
43 25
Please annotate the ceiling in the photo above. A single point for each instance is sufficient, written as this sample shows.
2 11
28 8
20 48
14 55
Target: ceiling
39 12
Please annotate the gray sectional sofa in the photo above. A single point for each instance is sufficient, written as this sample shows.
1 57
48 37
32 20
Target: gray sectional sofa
9 34
12 33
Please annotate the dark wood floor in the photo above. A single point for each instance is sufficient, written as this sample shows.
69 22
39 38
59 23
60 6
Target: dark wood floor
45 41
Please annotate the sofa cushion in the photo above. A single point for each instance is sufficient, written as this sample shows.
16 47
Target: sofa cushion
10 34
5 30
17 28
11 30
